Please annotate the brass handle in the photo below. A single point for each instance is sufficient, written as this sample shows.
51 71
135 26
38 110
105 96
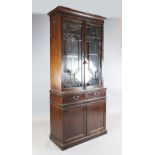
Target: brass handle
76 97
96 93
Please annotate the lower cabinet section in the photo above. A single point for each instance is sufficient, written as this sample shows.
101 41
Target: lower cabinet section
82 121
78 124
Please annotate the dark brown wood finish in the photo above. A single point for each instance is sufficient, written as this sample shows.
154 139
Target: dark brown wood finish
56 52
74 124
77 111
73 12
95 112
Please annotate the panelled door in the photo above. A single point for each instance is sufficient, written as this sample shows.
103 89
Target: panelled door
74 123
84 121
96 117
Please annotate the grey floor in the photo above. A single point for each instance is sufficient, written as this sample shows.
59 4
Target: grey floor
109 144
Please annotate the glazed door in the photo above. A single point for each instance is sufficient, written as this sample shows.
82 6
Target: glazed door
93 55
96 117
82 54
72 54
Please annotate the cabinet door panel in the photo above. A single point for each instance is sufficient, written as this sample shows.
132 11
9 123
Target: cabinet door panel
93 69
72 58
96 117
74 123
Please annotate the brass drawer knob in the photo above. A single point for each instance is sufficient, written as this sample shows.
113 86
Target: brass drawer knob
76 97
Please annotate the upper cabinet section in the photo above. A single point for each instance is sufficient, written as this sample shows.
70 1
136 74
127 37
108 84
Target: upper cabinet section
76 50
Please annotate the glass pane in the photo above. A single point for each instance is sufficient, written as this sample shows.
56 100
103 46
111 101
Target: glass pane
94 51
72 54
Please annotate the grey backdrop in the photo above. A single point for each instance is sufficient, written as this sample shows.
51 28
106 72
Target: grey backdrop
106 8
41 62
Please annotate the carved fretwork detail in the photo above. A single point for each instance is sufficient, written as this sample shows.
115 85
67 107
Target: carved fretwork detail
94 50
72 54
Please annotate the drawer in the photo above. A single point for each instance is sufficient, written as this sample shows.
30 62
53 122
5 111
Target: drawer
73 98
84 96
95 94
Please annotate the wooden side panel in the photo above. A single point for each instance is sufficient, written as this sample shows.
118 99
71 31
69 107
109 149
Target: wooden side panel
57 99
96 117
56 122
55 52
74 124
